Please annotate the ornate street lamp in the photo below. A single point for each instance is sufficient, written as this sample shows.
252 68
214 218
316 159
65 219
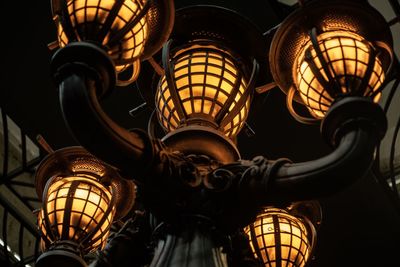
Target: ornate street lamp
128 30
328 50
81 198
197 191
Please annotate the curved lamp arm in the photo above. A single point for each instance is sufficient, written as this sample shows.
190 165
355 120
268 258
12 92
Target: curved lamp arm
348 162
354 126
84 73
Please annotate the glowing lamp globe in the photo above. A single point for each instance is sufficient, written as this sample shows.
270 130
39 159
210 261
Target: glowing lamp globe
81 198
278 238
78 209
328 50
338 64
208 88
128 30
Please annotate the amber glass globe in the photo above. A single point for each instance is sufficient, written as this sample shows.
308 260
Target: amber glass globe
119 26
208 88
77 209
279 239
340 70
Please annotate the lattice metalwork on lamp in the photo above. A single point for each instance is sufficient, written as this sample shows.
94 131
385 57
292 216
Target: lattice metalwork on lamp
19 236
335 54
80 202
284 237
350 66
92 208
206 87
129 30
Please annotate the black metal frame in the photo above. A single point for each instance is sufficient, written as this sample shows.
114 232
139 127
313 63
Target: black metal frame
10 211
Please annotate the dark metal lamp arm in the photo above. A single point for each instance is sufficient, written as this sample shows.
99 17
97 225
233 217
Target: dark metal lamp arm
82 80
354 126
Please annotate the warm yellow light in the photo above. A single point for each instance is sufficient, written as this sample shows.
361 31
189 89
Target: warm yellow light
75 208
279 238
347 56
204 77
87 18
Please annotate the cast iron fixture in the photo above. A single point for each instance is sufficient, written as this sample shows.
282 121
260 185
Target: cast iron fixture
198 196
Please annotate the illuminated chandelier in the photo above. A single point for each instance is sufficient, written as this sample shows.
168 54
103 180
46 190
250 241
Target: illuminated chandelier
198 195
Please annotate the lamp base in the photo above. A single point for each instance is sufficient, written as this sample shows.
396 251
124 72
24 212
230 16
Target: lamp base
350 111
190 248
86 58
201 140
60 258
61 254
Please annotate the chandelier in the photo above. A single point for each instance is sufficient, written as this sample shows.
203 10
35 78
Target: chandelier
179 194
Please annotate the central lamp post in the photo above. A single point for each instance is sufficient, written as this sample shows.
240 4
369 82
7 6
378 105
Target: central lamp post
197 192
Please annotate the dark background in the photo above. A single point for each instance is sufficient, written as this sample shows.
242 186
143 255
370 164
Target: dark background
360 226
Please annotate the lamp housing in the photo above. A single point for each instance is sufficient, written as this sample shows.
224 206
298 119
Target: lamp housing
81 198
128 30
208 87
208 80
327 50
285 236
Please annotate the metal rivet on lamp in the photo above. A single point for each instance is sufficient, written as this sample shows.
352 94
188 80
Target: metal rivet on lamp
81 198
129 30
336 52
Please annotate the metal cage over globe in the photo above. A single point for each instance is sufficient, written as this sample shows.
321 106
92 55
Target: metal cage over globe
129 30
81 198
336 64
77 209
204 85
278 238
327 50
